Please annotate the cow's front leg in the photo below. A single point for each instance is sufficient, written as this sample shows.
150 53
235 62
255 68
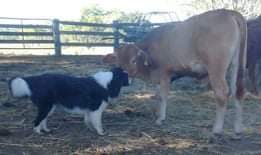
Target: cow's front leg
162 106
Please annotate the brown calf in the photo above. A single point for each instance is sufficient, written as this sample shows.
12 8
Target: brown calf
210 44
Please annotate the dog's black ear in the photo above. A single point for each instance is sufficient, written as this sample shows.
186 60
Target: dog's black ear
125 79
117 70
120 75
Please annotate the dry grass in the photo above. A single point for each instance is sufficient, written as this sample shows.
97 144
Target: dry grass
129 121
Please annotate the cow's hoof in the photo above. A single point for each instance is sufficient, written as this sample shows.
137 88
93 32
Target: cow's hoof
159 122
217 139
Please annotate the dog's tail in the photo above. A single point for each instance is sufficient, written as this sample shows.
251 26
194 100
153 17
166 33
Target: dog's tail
19 87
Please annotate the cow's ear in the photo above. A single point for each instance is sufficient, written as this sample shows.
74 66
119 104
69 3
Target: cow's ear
147 60
110 59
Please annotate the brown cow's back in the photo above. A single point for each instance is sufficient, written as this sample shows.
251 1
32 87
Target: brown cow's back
187 45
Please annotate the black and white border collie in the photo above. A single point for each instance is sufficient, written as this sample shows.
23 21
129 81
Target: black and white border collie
81 95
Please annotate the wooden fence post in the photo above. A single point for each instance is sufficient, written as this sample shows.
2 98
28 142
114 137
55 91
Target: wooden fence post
116 32
56 37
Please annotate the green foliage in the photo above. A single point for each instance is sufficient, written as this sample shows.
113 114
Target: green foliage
96 14
93 14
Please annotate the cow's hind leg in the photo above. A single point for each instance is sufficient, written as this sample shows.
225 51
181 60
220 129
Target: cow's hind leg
161 110
238 125
220 89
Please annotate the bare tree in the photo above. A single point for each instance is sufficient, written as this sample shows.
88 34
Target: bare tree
249 8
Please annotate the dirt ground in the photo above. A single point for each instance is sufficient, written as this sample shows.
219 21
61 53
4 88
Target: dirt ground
128 121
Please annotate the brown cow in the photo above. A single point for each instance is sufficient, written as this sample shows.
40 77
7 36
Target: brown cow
213 43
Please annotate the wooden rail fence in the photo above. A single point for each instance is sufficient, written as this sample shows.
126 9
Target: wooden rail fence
111 35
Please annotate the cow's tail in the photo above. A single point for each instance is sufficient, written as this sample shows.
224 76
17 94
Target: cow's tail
240 91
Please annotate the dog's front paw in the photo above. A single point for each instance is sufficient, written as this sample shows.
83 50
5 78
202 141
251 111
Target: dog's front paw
38 130
47 130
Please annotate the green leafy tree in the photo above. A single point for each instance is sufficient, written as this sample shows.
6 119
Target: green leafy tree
96 14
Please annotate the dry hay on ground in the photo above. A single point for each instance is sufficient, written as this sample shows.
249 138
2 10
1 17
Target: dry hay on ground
129 121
